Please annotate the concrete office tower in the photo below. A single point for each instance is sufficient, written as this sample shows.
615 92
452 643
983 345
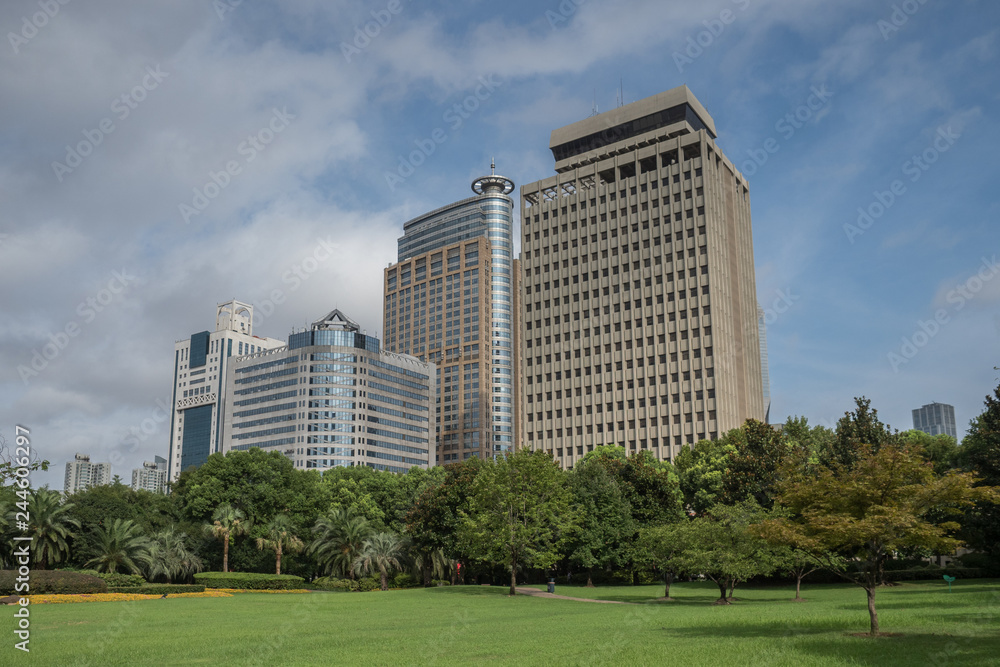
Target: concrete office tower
936 418
333 398
82 474
764 371
152 476
199 394
640 314
451 300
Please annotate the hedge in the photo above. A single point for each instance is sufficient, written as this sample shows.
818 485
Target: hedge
935 573
52 581
115 579
158 589
364 584
249 581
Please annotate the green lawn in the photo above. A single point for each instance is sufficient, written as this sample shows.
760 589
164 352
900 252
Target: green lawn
464 625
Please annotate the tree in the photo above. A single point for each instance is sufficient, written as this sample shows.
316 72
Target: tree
941 450
10 462
753 466
812 439
170 558
665 548
51 526
519 512
701 472
339 538
860 427
382 552
605 519
227 523
280 538
721 545
980 453
120 544
877 503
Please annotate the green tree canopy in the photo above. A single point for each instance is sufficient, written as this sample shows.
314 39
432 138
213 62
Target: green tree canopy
605 525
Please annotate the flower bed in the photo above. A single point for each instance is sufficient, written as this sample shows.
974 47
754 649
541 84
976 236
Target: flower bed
118 597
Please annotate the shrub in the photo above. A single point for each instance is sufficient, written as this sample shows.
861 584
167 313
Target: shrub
54 582
369 584
985 562
158 589
934 573
333 584
440 582
249 580
119 580
404 580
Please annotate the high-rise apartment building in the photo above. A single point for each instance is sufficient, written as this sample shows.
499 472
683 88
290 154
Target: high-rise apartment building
199 394
333 398
936 419
639 307
81 474
152 476
451 300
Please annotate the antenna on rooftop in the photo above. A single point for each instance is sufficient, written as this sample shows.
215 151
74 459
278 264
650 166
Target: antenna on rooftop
593 109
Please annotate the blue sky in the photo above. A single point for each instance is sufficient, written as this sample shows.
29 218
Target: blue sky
824 106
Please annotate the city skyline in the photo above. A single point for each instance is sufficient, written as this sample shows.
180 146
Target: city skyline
865 139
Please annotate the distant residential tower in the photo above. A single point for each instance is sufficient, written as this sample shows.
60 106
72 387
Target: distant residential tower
936 418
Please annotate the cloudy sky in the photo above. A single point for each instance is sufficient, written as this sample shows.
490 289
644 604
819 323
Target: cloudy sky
158 160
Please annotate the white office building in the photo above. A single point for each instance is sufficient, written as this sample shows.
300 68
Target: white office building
199 394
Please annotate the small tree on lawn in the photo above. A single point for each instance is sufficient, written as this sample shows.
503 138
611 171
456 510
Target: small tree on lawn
665 548
382 553
877 501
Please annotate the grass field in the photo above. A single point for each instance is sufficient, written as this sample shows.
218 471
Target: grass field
467 624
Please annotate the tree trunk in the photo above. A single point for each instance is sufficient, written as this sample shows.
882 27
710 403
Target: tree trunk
721 583
277 557
635 577
427 574
871 610
590 579
798 585
513 579
385 582
225 555
668 578
732 587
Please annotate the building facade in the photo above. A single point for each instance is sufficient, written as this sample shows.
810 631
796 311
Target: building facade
152 476
199 393
936 419
640 321
332 398
451 300
81 474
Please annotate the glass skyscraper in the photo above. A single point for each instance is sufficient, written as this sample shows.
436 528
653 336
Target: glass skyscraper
451 300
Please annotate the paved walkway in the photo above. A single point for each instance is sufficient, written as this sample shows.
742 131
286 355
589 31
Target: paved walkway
539 593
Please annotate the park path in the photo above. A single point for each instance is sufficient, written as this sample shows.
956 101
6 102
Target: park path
539 593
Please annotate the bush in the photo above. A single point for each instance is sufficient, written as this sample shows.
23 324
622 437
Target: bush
333 584
366 584
54 582
158 589
985 562
440 582
249 581
934 573
403 580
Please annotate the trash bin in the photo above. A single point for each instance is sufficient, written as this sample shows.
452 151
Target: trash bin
552 585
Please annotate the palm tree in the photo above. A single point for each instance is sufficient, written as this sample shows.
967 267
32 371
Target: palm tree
339 537
50 525
382 552
170 558
227 523
120 544
431 564
280 538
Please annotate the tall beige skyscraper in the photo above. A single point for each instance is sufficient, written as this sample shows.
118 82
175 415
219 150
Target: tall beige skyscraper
639 302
